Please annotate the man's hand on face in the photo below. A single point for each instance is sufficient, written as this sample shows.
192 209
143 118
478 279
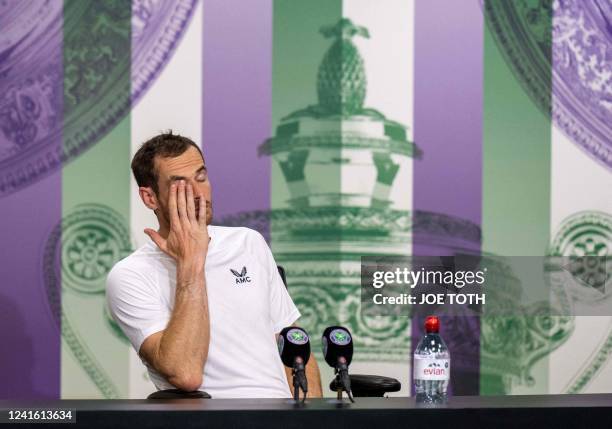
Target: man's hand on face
188 237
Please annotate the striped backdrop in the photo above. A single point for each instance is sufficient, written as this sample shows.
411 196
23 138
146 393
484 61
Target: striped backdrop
337 128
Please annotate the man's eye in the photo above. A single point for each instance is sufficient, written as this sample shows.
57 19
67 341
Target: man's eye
201 177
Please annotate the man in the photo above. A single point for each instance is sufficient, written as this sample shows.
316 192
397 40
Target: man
200 303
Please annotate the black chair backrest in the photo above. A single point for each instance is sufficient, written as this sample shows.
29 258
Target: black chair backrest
178 394
281 271
369 385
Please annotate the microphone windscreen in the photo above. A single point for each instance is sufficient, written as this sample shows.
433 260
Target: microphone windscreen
337 342
293 342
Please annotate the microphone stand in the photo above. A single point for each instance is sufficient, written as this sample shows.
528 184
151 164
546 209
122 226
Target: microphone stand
299 379
343 381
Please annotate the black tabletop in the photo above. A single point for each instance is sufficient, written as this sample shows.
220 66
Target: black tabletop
588 410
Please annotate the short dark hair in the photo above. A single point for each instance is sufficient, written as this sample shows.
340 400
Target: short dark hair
165 145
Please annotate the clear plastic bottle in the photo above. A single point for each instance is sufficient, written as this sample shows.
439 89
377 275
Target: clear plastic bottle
431 365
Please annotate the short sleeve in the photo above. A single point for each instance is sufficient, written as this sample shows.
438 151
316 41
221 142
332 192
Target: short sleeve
134 304
283 311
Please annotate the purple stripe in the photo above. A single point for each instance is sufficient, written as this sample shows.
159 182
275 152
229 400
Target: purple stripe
31 96
30 361
237 103
448 129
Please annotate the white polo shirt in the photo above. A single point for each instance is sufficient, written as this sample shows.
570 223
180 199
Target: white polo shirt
248 304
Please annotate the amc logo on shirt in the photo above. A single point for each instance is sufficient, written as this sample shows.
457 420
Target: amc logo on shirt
241 277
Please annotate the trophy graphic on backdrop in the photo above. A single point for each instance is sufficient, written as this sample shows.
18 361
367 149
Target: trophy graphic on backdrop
339 160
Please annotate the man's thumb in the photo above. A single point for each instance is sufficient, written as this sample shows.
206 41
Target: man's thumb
154 235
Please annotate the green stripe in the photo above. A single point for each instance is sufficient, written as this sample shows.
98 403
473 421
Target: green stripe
516 188
95 196
298 50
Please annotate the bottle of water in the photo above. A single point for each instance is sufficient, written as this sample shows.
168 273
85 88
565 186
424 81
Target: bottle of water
431 365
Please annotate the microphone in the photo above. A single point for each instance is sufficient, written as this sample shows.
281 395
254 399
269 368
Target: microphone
294 348
338 353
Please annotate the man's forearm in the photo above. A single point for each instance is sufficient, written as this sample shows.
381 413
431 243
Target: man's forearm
183 347
312 374
314 378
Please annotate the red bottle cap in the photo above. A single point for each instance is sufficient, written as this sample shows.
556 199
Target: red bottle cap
432 324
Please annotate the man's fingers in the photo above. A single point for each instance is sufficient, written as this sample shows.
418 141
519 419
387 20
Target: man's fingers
203 211
182 203
191 211
157 239
174 219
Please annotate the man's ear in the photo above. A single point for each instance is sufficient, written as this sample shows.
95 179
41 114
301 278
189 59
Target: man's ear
148 197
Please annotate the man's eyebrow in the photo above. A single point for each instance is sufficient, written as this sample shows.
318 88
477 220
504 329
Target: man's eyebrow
198 171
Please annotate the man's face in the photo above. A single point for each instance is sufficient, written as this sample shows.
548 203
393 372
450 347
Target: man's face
190 167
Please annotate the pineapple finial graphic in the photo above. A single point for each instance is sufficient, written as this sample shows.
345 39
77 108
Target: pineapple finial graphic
341 82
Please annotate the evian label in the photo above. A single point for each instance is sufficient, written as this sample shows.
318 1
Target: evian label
431 369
